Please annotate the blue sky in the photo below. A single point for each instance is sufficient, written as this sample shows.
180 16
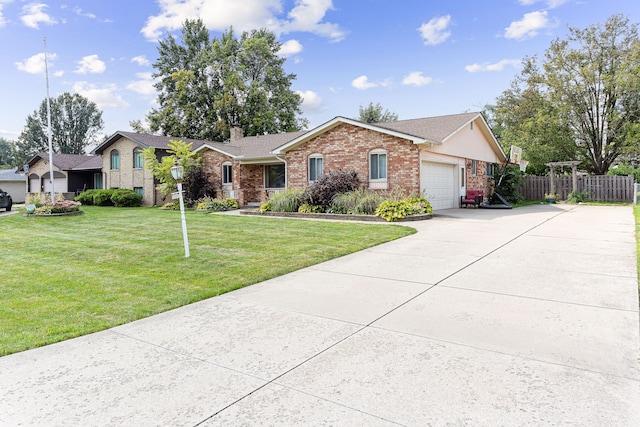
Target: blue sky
416 58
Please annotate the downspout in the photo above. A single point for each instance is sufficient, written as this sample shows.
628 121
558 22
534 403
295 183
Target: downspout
286 171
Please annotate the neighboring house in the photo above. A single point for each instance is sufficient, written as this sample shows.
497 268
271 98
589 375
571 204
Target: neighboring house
123 163
440 157
13 183
72 173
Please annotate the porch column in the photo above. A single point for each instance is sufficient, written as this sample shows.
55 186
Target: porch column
574 177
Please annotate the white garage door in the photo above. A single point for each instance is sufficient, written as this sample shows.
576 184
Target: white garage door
437 181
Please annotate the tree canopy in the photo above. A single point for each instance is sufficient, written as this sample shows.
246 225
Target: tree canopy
207 86
375 114
75 123
7 153
581 103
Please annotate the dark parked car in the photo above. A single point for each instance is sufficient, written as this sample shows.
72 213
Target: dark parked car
5 200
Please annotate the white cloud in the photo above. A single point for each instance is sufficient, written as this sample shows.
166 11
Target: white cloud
311 101
529 26
105 96
141 60
498 66
290 48
33 15
363 83
306 16
91 64
436 31
144 84
35 64
416 78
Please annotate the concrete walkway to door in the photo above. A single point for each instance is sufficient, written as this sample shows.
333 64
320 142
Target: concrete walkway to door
484 317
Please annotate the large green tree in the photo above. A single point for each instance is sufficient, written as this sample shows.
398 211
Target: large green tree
582 103
75 123
7 153
205 86
375 114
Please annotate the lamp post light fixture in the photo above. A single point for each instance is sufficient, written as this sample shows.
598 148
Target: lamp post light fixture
177 172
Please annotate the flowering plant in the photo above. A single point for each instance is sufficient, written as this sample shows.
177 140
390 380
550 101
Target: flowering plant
58 206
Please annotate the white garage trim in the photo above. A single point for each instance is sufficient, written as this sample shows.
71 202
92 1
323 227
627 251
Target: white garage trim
438 182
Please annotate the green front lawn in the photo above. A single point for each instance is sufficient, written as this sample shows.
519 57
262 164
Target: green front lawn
63 277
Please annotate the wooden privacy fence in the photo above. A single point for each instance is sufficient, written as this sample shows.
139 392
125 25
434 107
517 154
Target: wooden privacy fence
604 188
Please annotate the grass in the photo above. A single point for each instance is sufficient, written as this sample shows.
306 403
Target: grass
63 277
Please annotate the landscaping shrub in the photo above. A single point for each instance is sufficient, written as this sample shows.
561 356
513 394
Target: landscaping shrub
322 192
578 197
86 197
508 184
196 185
307 208
216 205
266 207
175 205
287 201
103 197
356 202
125 198
393 210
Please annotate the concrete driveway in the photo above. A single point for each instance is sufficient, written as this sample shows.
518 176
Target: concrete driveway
484 317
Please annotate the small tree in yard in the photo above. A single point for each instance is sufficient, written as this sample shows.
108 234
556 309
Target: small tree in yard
161 169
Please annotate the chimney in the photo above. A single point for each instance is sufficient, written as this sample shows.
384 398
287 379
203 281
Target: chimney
236 134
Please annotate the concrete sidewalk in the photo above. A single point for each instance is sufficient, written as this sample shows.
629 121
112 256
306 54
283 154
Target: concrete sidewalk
484 317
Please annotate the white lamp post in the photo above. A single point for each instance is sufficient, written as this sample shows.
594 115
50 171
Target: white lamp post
177 172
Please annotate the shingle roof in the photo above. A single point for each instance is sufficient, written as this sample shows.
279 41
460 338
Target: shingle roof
11 175
70 161
434 129
146 140
256 147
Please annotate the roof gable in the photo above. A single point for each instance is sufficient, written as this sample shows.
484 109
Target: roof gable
146 141
68 161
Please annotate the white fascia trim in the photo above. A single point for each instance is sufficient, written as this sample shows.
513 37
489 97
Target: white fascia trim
337 121
202 147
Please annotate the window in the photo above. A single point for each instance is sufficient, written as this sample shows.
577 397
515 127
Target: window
490 170
97 181
115 159
315 168
274 176
138 158
378 166
474 167
462 180
227 176
139 190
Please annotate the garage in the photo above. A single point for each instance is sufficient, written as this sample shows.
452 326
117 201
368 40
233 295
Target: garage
438 183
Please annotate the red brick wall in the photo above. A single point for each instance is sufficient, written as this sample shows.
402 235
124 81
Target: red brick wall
212 163
250 181
480 181
347 147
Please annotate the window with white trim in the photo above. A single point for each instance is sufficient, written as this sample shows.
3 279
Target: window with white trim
378 170
378 166
315 167
474 167
138 158
115 159
227 175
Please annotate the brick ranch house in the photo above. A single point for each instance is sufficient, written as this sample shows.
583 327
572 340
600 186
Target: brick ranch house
441 157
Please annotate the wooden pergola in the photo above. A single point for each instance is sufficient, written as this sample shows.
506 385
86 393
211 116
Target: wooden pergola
574 174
